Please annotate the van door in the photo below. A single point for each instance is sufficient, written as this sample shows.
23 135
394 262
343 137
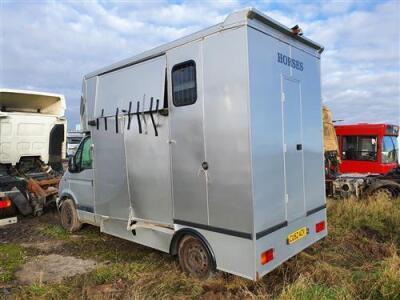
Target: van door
292 131
81 181
189 165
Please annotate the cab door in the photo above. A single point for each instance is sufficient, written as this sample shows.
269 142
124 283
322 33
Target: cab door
81 180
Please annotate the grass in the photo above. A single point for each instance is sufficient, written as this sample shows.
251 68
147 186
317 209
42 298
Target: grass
358 260
55 231
11 257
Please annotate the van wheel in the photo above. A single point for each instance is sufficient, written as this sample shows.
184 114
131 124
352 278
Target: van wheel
69 216
194 258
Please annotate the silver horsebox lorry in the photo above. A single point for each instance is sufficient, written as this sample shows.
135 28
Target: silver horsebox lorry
209 148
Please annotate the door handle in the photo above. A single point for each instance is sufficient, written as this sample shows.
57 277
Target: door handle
204 165
299 147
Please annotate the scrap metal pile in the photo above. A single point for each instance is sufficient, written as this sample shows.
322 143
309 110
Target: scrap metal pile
31 185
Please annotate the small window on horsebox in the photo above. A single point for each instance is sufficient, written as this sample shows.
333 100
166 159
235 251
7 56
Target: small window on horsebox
184 88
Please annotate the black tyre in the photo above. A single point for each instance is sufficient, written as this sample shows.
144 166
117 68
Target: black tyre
382 193
194 258
69 216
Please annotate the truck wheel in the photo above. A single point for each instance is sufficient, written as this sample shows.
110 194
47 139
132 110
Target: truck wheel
69 216
194 258
382 193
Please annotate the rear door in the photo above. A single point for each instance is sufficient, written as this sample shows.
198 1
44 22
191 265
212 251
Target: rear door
293 147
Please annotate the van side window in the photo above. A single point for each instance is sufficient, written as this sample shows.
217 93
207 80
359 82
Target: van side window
87 154
184 88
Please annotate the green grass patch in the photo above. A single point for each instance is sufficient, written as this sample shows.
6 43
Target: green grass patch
47 291
55 231
359 259
379 218
303 288
11 257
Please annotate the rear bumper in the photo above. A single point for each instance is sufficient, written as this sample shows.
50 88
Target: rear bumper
8 221
277 240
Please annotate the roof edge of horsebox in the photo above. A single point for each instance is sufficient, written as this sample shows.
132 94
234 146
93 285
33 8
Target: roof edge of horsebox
252 13
232 20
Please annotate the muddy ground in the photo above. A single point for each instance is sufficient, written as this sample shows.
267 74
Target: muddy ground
358 260
52 255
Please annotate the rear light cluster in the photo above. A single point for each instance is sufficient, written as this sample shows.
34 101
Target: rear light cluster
267 256
5 203
320 226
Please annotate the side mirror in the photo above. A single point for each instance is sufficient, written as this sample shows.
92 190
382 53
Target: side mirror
71 164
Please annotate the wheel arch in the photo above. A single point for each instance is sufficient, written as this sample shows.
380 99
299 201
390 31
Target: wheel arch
391 185
64 197
178 235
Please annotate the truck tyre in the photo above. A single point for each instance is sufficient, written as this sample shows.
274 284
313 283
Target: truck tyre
382 193
194 258
69 216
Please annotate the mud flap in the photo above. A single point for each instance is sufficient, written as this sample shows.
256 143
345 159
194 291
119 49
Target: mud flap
20 202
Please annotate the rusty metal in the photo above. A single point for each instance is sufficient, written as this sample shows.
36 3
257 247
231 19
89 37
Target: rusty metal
37 187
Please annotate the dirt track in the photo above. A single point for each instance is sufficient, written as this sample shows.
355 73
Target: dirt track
26 230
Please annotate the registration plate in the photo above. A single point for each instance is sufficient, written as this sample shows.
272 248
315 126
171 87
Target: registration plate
297 235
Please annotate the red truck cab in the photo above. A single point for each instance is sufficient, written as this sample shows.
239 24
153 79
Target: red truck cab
368 148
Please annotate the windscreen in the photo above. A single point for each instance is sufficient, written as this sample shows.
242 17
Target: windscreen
390 149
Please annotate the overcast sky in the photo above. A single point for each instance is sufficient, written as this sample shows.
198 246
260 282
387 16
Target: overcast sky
49 46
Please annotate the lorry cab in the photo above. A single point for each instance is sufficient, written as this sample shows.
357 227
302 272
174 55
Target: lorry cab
368 148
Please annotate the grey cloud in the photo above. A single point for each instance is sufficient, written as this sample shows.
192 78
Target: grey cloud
51 45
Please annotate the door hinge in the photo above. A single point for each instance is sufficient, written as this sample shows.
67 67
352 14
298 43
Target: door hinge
284 148
283 97
286 198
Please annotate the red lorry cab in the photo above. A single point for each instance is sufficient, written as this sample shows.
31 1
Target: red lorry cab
368 148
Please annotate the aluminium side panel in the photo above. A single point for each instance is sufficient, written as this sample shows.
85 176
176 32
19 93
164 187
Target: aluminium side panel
226 130
292 145
266 130
110 176
134 169
148 155
314 169
189 181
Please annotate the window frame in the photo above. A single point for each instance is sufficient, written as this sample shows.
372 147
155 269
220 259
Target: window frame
358 152
78 164
392 141
91 156
181 65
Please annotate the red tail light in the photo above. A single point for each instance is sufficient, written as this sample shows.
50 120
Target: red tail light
320 226
267 256
5 203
